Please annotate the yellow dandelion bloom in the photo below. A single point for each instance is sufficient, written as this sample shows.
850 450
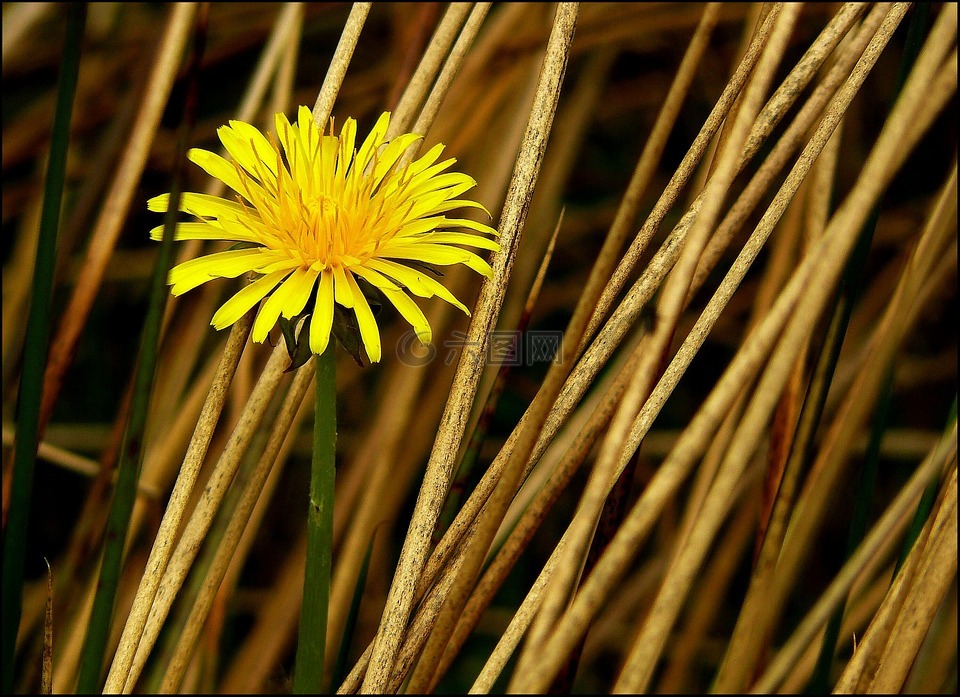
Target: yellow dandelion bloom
321 215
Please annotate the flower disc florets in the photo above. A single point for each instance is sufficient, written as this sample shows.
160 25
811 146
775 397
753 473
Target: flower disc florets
315 214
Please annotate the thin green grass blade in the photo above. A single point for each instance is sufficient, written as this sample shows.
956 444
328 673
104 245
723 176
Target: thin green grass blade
308 670
36 345
131 455
819 683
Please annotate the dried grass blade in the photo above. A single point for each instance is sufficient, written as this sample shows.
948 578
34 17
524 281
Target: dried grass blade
46 671
202 517
880 538
323 107
439 467
525 175
227 546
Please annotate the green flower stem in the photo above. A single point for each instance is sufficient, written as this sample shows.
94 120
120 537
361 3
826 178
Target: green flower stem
308 672
36 344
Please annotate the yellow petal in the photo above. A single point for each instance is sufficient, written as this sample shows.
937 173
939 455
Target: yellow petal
418 283
428 203
438 254
472 225
309 132
373 141
375 278
369 332
440 182
412 313
460 203
217 167
248 146
297 156
284 299
202 206
229 264
302 283
348 137
421 225
237 306
205 231
322 320
461 238
421 163
391 154
343 291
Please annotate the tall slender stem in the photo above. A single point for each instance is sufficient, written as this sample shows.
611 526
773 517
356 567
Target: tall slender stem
308 672
35 353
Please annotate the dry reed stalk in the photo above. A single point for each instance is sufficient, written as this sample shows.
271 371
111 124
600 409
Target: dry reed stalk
417 635
938 568
571 551
521 623
861 610
569 130
762 604
934 666
337 69
426 73
631 450
511 223
440 465
388 447
500 172
832 96
647 163
794 336
643 289
429 578
200 520
881 537
128 669
176 505
866 655
404 383
677 181
737 271
155 477
876 174
582 375
706 604
451 67
303 380
668 312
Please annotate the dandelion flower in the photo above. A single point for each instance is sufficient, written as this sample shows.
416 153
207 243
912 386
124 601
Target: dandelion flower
318 216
